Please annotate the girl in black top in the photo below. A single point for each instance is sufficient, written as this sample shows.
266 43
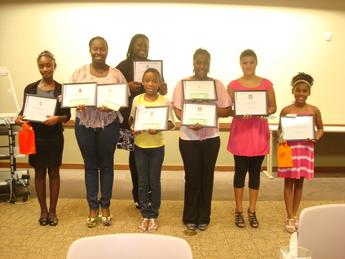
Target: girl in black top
137 50
48 139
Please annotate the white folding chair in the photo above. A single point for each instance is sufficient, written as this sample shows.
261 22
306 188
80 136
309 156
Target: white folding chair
322 230
130 246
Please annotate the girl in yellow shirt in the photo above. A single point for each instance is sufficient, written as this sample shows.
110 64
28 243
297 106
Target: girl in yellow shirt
149 151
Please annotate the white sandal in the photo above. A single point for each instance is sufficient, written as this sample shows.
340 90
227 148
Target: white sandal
143 225
290 225
296 223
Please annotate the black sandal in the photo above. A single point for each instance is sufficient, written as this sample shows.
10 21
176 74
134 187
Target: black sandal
43 221
253 221
53 221
239 220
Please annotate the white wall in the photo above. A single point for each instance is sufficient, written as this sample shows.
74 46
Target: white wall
287 41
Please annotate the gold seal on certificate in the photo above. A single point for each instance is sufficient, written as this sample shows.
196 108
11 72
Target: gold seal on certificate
112 96
154 117
251 102
203 114
141 66
297 127
199 90
38 108
74 94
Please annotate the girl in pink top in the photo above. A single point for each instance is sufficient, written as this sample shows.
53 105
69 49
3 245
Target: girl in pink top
249 138
199 148
97 133
302 150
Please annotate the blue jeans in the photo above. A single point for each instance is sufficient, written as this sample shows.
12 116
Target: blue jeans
149 165
97 146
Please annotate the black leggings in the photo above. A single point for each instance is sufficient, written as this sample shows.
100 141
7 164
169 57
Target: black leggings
251 164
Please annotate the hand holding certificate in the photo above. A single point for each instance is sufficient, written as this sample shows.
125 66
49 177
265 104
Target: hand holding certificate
251 103
203 114
75 94
147 118
199 90
297 127
141 66
38 108
112 96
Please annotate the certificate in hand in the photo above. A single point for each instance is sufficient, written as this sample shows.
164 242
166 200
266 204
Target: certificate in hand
155 117
38 108
112 96
199 90
141 66
297 127
251 103
74 94
204 114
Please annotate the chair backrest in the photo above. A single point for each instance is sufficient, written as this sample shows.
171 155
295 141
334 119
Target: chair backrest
130 246
322 230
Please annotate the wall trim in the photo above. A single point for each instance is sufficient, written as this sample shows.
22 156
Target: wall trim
319 170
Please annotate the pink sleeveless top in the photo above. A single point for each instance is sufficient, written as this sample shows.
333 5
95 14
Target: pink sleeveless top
249 137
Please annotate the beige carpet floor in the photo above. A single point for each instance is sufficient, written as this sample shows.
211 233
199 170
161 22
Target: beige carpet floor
22 237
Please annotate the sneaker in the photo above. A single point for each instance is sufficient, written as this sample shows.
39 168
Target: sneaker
143 225
191 226
202 227
153 225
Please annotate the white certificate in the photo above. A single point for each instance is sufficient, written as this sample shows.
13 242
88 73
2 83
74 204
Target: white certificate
251 103
199 90
151 118
38 108
74 94
112 96
141 66
203 114
297 127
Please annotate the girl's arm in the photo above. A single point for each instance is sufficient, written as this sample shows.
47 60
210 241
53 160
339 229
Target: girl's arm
131 125
272 106
163 88
178 113
52 120
171 125
231 94
319 124
280 139
223 112
20 120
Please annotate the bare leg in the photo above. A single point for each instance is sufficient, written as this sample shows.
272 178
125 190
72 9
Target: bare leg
238 199
297 195
253 197
288 196
54 184
40 186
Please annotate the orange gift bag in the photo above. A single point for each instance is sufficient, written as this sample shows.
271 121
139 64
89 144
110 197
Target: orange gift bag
284 155
26 140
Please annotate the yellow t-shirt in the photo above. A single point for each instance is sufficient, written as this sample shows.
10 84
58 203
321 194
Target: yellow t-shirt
145 140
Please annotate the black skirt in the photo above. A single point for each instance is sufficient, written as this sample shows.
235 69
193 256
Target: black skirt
49 147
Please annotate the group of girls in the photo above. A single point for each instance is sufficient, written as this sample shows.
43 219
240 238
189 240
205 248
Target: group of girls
98 131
